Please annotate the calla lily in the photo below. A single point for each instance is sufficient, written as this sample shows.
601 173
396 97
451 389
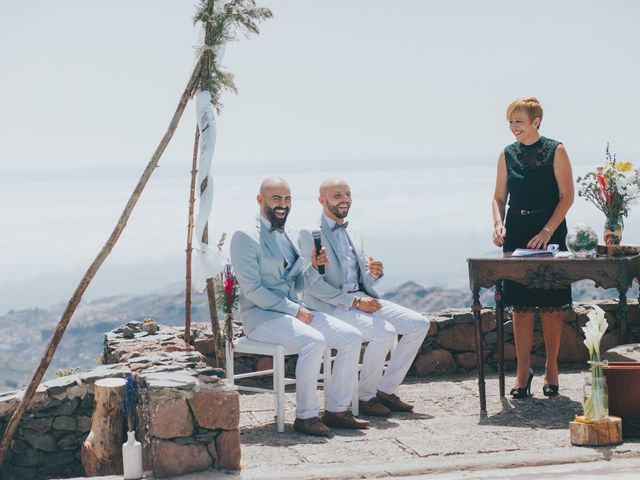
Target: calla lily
595 406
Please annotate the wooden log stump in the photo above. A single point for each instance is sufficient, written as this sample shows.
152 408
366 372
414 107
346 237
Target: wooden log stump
101 452
596 433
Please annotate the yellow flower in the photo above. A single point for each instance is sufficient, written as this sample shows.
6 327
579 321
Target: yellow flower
624 166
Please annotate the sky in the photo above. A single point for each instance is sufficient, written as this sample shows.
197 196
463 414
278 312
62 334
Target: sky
87 90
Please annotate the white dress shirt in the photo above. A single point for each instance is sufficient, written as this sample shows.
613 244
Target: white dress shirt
348 258
287 250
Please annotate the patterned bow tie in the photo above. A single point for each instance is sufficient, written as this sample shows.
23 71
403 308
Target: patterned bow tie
277 229
339 226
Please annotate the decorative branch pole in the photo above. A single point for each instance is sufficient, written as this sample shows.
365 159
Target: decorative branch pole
220 20
95 266
192 200
211 291
236 15
213 311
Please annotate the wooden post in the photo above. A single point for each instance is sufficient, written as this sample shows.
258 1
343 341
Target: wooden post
213 307
101 452
596 433
95 266
192 200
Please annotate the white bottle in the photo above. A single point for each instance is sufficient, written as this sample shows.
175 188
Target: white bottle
132 457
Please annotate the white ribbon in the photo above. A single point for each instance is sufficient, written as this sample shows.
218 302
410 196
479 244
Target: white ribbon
207 261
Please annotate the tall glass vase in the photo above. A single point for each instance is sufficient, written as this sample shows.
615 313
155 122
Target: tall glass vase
596 394
613 230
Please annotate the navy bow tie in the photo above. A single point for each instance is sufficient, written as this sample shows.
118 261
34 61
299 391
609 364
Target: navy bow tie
339 226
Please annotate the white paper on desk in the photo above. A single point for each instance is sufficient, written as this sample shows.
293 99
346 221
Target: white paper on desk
551 250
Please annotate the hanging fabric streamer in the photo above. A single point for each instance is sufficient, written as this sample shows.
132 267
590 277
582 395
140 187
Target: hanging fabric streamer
207 259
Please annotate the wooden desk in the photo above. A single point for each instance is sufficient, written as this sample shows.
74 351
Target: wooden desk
542 272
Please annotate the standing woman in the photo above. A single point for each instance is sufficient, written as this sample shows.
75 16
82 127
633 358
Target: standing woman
534 173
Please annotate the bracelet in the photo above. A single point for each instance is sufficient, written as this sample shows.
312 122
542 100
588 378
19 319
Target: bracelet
547 229
497 221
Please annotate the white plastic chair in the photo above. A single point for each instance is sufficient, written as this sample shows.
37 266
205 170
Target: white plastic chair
278 353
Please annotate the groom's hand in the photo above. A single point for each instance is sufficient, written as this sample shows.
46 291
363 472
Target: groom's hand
321 259
375 267
304 315
367 304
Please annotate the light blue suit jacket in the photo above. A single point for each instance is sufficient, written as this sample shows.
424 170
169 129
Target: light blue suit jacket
267 291
324 292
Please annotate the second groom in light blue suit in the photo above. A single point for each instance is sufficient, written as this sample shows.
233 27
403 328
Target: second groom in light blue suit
347 291
270 272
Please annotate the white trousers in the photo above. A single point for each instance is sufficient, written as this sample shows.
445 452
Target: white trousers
379 329
309 341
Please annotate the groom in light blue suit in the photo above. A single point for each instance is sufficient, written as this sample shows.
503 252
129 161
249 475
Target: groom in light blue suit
347 291
270 272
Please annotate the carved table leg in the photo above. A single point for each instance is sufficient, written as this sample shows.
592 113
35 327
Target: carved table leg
622 315
500 328
479 353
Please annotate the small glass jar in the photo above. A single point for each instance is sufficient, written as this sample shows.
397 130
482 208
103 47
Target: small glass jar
582 240
595 398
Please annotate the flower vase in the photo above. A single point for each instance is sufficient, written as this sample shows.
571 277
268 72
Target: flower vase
132 457
596 394
228 327
613 230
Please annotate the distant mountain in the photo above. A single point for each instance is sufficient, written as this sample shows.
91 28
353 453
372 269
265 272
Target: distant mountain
25 333
433 299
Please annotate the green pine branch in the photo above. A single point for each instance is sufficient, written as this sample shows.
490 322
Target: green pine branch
222 24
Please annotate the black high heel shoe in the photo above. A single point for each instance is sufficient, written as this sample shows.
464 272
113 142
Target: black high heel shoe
523 392
549 390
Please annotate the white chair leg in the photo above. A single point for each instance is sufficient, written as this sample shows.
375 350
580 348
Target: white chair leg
326 375
278 380
355 397
228 353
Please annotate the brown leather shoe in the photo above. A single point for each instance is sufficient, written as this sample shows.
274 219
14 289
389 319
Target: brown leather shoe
393 403
374 408
343 420
311 426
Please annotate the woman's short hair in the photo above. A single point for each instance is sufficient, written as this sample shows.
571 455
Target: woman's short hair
529 105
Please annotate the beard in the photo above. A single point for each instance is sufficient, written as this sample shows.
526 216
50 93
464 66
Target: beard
276 222
336 211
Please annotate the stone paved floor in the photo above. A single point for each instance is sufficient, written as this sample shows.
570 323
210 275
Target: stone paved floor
445 439
446 433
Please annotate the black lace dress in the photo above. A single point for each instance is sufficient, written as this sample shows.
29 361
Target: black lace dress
533 196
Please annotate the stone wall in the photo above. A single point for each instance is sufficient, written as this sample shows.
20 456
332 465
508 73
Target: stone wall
188 416
48 440
450 344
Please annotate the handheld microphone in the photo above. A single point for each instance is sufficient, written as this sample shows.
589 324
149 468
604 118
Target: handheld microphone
317 240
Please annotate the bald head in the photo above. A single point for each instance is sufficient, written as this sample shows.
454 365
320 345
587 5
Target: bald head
273 182
335 198
332 182
275 200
